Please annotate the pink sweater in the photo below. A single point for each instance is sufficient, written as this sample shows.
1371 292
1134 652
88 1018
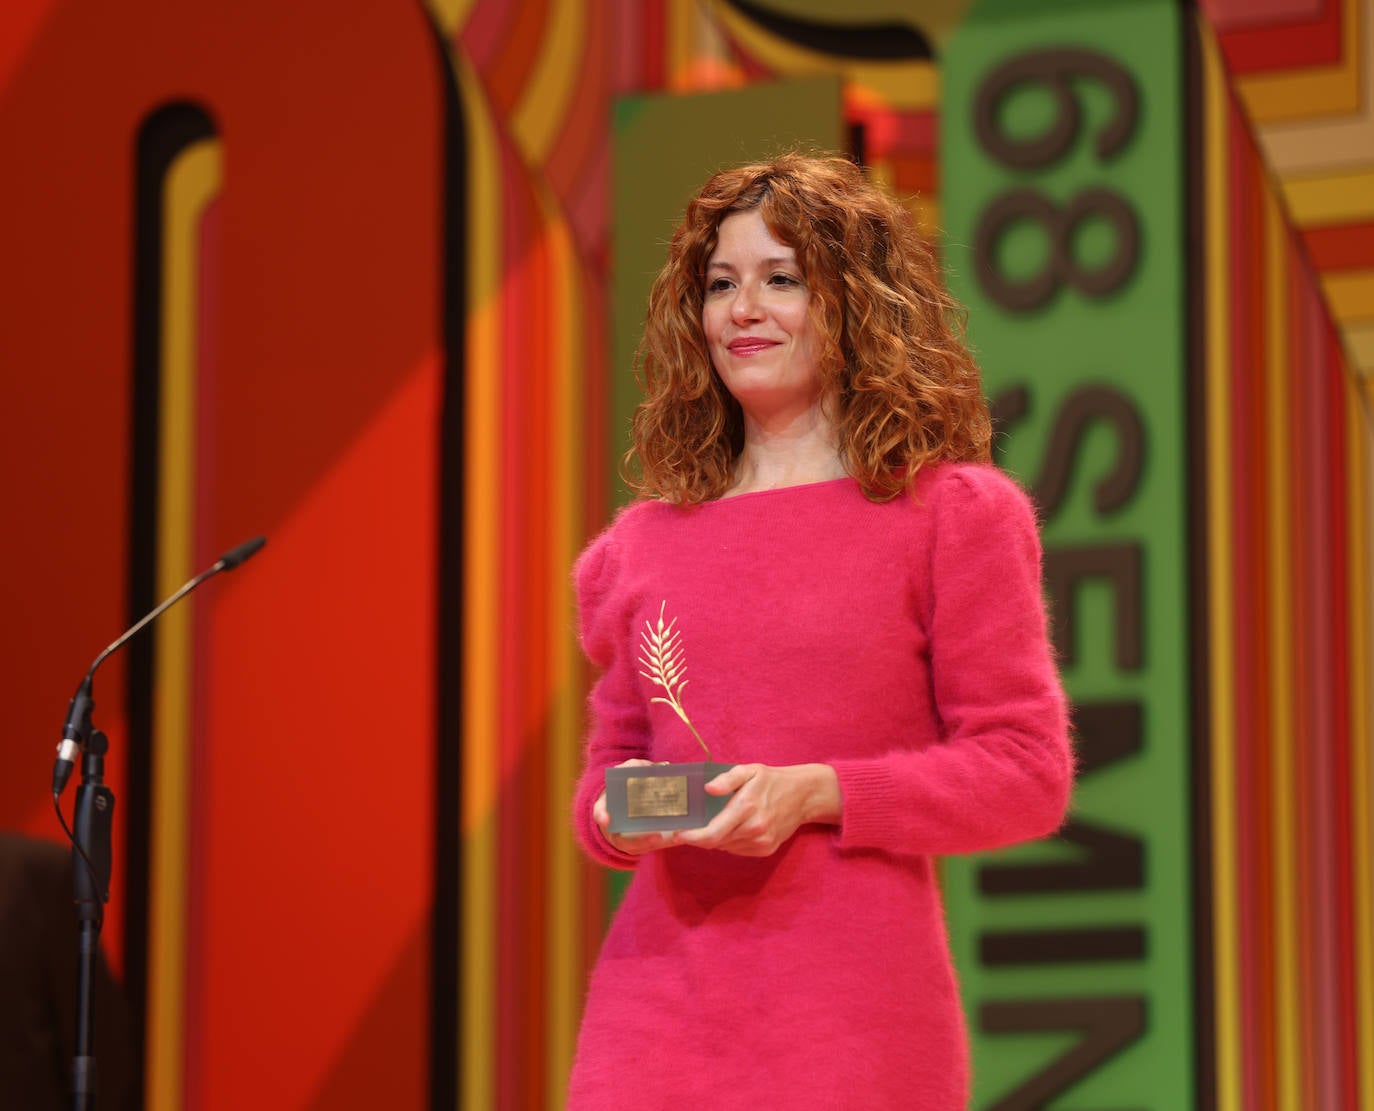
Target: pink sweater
904 644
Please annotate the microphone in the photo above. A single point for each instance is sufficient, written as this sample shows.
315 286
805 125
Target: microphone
77 728
234 556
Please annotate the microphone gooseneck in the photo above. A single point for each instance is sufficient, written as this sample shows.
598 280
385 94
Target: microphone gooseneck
76 730
90 830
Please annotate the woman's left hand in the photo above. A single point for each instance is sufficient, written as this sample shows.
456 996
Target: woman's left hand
768 805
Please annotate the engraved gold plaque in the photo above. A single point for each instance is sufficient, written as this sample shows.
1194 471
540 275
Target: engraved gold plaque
657 796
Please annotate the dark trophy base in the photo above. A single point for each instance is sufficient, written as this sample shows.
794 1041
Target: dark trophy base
659 797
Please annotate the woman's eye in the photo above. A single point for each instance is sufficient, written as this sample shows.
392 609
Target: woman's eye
784 279
717 285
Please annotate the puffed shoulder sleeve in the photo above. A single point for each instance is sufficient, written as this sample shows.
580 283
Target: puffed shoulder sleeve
617 726
594 577
1002 769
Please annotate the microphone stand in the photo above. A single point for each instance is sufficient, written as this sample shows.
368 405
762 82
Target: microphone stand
91 887
90 835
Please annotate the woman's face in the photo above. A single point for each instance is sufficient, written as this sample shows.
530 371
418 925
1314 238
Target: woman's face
755 313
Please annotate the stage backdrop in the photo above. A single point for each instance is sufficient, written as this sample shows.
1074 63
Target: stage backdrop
1303 71
357 278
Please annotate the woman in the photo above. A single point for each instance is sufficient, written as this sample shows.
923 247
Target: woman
857 602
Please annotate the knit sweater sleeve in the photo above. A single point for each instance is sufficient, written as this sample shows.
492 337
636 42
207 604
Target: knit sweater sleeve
1002 769
618 729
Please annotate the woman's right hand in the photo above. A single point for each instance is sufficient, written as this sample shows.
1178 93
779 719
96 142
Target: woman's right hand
633 843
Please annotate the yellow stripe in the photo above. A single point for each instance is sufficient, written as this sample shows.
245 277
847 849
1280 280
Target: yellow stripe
680 35
545 101
1358 462
1220 603
1350 295
481 628
450 15
1305 94
192 182
1288 1000
1330 198
1359 345
563 940
707 62
904 86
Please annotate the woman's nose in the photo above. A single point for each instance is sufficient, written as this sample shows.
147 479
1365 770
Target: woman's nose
745 305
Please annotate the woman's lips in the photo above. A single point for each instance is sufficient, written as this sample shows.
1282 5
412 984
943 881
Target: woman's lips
750 346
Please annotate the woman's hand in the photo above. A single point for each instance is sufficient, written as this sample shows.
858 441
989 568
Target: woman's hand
633 843
768 806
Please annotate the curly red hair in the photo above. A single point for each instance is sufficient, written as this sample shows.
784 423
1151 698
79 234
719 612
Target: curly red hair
902 387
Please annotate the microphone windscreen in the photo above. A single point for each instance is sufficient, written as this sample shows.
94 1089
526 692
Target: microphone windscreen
249 548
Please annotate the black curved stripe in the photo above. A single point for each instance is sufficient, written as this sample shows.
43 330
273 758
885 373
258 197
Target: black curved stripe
878 42
445 1048
164 134
1199 541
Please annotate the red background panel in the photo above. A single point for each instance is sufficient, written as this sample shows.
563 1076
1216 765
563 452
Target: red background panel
310 882
319 779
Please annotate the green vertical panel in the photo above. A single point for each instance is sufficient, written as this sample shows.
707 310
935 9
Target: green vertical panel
665 148
1084 943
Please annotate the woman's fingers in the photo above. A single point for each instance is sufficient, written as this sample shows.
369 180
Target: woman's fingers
636 844
722 830
767 807
733 779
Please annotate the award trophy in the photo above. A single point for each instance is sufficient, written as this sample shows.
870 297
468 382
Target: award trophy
660 797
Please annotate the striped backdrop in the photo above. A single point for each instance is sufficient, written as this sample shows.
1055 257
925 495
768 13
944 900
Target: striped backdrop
1288 579
1304 71
533 493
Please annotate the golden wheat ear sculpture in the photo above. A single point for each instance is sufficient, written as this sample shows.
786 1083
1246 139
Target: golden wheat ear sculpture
667 667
